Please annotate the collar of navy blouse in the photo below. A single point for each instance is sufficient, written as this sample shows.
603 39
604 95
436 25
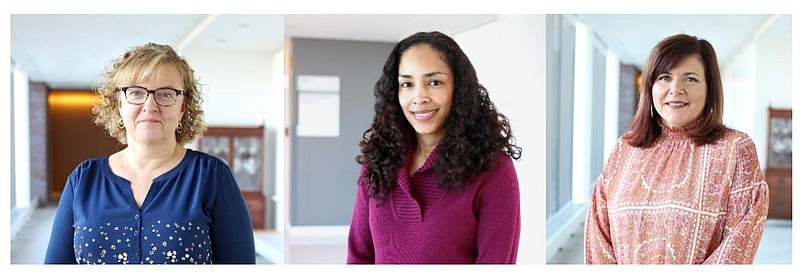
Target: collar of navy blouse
190 154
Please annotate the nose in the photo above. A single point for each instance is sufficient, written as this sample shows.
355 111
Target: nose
150 103
421 95
676 87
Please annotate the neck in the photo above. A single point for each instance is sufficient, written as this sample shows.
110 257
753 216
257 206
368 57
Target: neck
425 145
149 158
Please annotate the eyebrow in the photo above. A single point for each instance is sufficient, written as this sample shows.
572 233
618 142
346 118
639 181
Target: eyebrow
427 75
687 73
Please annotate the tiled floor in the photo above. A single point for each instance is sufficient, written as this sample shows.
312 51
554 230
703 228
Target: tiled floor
775 247
327 253
29 246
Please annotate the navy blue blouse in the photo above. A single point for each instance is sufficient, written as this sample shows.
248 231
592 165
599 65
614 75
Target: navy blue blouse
193 214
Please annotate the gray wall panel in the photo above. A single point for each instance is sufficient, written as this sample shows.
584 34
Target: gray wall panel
324 171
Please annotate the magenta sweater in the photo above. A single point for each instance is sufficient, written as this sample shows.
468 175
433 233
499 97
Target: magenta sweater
418 223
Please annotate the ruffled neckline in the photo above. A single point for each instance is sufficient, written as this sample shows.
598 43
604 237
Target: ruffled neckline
679 131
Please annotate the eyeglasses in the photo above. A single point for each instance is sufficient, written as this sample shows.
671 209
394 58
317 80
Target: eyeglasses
137 95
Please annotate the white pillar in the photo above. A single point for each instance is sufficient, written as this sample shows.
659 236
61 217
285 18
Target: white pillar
22 147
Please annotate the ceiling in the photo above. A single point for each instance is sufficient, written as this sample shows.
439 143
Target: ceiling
70 51
631 37
379 27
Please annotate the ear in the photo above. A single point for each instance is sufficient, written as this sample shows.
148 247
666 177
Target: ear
119 106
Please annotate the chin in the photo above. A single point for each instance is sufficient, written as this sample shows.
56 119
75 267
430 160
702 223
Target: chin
423 130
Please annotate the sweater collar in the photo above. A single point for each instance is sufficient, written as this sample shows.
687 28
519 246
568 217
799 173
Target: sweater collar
678 131
404 173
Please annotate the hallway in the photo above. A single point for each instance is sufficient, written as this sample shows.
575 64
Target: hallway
30 244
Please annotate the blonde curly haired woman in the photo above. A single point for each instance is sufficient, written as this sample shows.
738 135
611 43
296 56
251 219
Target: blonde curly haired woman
153 202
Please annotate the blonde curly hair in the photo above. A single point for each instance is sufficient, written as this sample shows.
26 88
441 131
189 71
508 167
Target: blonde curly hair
136 65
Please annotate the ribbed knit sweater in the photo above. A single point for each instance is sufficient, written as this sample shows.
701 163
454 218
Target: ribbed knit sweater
420 223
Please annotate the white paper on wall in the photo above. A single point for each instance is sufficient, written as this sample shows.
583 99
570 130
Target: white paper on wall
318 83
318 105
318 114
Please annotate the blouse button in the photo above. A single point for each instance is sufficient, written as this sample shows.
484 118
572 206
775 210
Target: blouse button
136 217
136 252
136 233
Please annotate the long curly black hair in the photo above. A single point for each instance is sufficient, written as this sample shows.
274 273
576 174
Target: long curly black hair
474 131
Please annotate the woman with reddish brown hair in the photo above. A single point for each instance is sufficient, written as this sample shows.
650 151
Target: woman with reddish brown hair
679 187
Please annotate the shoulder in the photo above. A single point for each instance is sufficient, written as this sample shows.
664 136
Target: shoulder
504 160
95 165
503 169
203 159
737 145
207 166
736 139
622 142
501 179
88 171
621 145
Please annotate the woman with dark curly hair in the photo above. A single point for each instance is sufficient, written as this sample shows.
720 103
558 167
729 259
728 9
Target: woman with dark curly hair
437 183
153 202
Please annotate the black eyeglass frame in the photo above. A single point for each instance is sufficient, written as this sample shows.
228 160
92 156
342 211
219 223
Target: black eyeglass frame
177 93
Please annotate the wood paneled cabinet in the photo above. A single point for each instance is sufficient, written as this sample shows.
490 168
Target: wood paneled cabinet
243 150
779 163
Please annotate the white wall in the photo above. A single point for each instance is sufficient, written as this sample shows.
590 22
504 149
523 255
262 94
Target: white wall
509 57
240 91
738 82
236 85
481 45
773 87
277 119
758 77
612 105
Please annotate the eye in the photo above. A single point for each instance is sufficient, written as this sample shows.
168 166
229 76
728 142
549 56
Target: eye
435 83
166 94
134 92
691 79
664 77
406 85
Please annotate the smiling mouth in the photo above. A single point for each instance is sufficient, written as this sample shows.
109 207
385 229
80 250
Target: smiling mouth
424 115
676 104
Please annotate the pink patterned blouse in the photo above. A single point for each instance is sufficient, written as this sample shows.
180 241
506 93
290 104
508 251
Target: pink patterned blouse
677 203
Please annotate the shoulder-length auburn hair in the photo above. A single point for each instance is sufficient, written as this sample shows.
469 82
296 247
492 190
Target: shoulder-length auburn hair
645 128
474 131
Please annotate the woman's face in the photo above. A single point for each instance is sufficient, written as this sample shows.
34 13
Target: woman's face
425 90
150 123
679 94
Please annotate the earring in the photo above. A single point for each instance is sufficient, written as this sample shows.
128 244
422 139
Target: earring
179 129
651 111
120 124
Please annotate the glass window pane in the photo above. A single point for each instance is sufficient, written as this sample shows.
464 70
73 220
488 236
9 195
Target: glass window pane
247 162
